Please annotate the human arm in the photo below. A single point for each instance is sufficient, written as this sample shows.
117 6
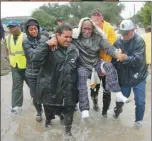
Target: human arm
138 54
111 50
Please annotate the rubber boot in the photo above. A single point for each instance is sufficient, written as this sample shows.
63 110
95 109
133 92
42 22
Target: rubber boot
94 96
106 103
39 111
95 104
118 109
48 123
68 119
61 118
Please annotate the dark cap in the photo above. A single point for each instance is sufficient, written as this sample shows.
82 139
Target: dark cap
60 19
13 23
97 11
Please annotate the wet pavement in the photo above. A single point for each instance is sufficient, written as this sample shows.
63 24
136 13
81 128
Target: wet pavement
23 126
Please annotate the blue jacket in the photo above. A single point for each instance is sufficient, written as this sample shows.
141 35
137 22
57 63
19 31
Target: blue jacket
134 70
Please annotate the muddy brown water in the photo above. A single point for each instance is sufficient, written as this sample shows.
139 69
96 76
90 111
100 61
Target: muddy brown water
23 126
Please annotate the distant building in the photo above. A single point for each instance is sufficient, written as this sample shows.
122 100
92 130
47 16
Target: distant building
20 19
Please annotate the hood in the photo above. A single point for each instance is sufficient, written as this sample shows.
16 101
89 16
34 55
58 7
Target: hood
31 21
97 30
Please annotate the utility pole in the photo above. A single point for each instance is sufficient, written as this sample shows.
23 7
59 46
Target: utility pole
134 15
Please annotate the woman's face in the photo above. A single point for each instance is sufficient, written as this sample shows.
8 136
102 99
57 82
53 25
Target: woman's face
33 30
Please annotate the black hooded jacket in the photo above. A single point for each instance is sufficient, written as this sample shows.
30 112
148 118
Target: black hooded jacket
57 80
29 45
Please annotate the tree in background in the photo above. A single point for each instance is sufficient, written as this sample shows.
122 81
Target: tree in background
74 11
144 15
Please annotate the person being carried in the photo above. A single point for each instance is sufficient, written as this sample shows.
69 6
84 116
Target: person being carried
89 40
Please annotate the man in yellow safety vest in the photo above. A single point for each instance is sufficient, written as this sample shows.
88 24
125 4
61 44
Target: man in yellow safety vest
17 61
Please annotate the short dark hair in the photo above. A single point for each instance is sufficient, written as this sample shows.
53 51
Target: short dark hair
63 27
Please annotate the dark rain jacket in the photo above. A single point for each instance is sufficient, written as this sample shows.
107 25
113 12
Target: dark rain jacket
134 70
29 45
56 83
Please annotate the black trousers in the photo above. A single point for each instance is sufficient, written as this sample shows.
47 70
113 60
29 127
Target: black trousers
68 112
106 94
32 82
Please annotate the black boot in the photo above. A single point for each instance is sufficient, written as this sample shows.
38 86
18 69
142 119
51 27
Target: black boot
68 130
39 111
61 118
48 123
95 104
106 103
118 109
68 119
94 96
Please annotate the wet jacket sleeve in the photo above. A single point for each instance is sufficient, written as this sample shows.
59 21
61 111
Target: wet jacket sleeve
36 54
137 55
107 47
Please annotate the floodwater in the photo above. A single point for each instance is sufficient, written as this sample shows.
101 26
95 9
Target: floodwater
23 126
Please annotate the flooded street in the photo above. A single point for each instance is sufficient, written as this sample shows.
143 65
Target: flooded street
23 126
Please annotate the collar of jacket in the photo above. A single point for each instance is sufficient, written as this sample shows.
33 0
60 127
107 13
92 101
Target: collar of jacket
33 38
101 24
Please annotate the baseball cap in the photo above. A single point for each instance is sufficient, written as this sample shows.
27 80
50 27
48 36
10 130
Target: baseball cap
13 23
126 26
60 19
97 11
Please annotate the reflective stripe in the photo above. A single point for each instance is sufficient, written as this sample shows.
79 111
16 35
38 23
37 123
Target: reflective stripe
17 52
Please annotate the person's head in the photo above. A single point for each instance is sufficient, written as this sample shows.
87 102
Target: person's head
32 28
64 35
97 16
127 29
43 29
14 28
60 21
148 29
86 29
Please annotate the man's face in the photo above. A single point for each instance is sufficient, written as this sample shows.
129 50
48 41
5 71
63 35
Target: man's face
60 23
129 35
86 29
65 38
15 30
97 18
33 30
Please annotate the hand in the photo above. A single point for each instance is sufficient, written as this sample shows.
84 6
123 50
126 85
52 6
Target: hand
120 56
52 43
124 57
118 53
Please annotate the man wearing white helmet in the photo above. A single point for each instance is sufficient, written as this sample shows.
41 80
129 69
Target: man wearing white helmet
132 72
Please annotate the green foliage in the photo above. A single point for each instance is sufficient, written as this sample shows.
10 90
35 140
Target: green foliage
45 19
74 11
144 15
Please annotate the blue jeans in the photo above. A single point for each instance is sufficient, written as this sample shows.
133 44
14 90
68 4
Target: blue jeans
139 97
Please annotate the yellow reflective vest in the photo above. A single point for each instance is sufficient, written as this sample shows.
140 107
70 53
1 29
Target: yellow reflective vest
147 39
111 37
16 52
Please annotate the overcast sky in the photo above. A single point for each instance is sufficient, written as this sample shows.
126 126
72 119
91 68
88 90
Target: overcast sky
25 8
